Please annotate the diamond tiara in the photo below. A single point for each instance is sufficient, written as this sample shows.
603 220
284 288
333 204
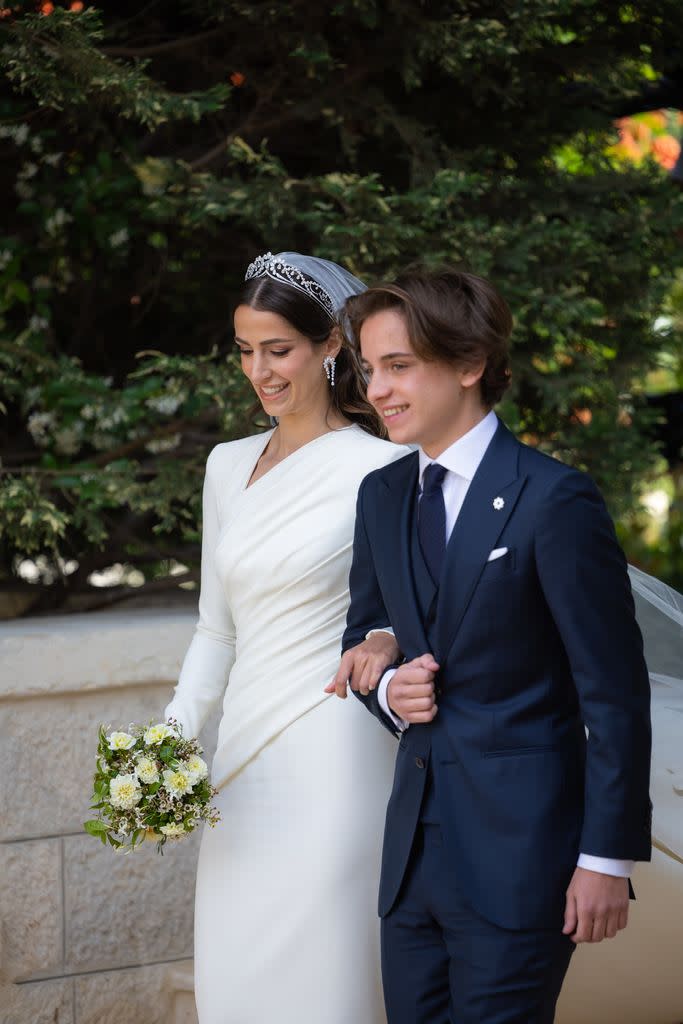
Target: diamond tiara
271 266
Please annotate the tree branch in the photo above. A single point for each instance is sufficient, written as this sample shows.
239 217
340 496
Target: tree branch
252 126
170 46
173 427
90 602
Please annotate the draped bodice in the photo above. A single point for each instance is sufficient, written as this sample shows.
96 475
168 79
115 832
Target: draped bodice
275 562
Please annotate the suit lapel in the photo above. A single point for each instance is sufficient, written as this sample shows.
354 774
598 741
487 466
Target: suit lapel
488 505
395 531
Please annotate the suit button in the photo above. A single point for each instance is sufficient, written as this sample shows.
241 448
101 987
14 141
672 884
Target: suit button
419 762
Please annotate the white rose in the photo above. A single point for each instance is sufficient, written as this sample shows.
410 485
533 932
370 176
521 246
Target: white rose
146 770
173 831
177 783
120 740
196 767
124 791
157 733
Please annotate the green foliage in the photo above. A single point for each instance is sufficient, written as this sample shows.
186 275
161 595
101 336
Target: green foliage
154 151
56 60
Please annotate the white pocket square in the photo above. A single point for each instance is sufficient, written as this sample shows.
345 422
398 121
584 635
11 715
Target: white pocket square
497 553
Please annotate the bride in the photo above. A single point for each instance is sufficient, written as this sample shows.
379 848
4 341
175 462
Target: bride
285 921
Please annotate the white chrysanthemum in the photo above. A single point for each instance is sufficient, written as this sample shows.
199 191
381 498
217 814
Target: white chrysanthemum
146 770
120 741
173 831
177 783
157 733
196 767
124 792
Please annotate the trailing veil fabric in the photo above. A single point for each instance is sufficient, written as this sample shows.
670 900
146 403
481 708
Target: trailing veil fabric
659 610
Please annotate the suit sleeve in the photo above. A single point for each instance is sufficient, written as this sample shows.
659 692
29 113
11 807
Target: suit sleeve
366 608
583 574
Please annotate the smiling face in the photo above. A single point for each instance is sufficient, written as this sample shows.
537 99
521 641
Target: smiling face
285 367
427 403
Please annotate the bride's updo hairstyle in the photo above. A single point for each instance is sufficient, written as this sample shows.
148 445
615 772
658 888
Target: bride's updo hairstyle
316 323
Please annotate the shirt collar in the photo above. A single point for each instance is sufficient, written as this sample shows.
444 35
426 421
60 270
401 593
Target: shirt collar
463 457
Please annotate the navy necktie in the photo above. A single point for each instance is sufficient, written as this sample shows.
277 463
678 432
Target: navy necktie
431 520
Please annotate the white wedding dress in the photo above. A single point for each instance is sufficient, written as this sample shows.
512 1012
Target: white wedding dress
286 928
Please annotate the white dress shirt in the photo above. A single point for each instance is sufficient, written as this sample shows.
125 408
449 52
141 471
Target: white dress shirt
461 462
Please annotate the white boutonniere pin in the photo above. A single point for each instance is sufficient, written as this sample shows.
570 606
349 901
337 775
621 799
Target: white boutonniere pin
498 504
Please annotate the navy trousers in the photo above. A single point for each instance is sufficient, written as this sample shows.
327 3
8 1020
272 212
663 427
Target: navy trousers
443 964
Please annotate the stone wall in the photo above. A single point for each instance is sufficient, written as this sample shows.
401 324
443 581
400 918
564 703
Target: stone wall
89 936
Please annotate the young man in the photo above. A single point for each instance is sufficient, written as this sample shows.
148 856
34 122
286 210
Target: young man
510 836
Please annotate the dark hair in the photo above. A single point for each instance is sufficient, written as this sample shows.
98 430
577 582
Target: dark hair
452 316
316 324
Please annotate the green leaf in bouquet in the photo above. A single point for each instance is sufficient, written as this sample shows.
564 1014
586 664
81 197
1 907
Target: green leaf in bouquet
95 827
116 843
153 788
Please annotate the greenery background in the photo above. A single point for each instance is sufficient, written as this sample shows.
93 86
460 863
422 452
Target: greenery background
149 151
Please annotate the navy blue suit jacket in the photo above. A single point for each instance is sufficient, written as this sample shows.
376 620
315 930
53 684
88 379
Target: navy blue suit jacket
532 647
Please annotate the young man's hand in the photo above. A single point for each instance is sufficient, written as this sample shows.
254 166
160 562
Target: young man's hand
596 906
410 693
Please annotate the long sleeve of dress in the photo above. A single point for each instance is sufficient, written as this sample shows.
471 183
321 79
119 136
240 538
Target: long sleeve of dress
211 654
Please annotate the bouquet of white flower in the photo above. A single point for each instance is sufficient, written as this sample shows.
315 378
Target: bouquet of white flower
149 783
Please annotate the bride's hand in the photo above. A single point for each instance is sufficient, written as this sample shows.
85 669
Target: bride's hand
363 666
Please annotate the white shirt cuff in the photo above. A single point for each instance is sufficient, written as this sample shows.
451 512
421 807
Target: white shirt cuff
605 865
400 724
383 629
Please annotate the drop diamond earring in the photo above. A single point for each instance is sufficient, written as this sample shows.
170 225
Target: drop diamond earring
328 367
